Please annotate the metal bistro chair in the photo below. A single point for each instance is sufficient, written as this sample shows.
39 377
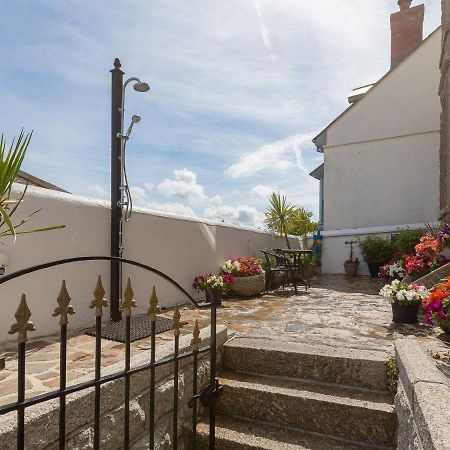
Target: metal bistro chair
283 265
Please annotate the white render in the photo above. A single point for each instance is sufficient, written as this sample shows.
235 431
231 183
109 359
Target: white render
178 246
381 158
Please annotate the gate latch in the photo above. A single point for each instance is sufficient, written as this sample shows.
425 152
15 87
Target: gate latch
206 394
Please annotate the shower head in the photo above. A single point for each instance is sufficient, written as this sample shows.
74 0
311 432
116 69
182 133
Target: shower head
134 119
141 87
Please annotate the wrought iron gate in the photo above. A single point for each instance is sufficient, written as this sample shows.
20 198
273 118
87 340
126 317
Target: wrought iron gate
64 309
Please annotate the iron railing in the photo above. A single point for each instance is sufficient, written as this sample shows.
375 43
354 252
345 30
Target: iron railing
64 309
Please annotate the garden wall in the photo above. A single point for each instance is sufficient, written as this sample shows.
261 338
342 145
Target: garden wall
422 400
178 246
41 421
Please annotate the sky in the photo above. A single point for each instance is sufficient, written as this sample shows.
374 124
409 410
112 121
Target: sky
238 90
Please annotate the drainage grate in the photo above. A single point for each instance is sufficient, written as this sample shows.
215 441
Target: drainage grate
140 328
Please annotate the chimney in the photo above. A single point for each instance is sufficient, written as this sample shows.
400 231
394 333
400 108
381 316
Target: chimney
406 30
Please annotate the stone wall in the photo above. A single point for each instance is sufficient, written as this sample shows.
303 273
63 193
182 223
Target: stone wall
422 400
42 420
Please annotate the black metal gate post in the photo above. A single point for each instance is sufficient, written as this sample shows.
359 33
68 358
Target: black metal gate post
116 176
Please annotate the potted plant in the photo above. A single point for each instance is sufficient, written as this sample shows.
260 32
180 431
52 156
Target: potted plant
436 306
308 265
393 269
249 276
214 285
405 300
376 251
351 265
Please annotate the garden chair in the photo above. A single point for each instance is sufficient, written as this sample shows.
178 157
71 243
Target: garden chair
283 265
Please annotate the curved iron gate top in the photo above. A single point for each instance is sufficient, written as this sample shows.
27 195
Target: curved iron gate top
64 309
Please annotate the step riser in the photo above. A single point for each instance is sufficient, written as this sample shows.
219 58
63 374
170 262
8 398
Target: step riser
371 374
347 421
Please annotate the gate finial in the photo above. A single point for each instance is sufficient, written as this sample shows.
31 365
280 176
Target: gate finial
64 307
154 308
176 321
23 325
195 337
99 298
128 301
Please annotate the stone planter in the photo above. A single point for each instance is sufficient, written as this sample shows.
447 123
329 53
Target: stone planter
351 268
405 313
248 286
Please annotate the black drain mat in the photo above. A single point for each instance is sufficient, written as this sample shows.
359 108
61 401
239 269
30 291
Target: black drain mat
140 328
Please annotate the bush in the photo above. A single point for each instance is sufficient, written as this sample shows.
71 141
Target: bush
406 241
376 249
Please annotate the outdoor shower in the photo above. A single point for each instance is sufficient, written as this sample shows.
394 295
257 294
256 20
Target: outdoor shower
120 190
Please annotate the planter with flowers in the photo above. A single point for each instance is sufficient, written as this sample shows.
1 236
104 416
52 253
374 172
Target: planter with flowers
394 269
249 276
405 300
217 284
436 306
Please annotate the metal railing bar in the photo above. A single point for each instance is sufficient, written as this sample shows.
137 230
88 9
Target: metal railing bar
175 394
126 434
92 383
98 355
60 262
152 385
20 405
62 386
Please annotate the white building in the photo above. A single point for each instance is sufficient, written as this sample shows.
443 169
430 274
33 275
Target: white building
381 155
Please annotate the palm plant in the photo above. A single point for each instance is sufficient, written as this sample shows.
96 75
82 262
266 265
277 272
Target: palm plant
279 214
301 223
10 162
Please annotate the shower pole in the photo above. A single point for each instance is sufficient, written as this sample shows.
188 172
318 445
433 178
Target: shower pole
116 178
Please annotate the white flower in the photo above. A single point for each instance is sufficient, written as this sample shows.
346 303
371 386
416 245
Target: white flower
231 267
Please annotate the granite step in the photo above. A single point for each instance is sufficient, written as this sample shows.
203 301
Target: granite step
241 434
354 414
344 366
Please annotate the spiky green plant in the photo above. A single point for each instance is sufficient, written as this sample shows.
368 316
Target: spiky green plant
10 162
279 214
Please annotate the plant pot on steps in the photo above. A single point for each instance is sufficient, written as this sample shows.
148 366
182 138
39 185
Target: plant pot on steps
216 293
351 268
374 269
405 313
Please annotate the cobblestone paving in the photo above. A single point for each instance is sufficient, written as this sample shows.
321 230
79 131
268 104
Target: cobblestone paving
335 311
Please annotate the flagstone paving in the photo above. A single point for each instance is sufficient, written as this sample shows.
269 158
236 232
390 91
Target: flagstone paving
336 311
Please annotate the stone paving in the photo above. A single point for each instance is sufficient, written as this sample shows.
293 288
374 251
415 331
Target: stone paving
336 311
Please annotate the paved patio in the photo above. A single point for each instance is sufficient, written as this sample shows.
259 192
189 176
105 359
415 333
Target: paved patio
336 311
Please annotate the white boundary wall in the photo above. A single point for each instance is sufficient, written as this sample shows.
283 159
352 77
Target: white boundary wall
178 246
335 252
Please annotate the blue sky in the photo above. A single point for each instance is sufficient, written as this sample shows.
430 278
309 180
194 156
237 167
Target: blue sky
238 89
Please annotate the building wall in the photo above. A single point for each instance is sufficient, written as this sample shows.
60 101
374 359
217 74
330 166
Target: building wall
383 182
179 247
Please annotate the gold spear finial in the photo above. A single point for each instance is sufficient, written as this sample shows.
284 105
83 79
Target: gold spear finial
64 307
176 321
195 337
128 301
153 308
23 325
99 298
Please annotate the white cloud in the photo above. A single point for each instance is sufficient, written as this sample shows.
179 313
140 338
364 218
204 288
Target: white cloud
263 191
139 195
173 208
96 191
241 215
149 186
184 185
276 156
263 28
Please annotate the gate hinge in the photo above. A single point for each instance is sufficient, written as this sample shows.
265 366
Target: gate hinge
206 394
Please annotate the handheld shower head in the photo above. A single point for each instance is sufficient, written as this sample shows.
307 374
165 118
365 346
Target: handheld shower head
134 119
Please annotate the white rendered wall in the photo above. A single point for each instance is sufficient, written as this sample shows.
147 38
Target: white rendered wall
180 247
382 155
384 182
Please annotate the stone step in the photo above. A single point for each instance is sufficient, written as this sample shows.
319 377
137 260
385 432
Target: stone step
321 363
241 434
352 414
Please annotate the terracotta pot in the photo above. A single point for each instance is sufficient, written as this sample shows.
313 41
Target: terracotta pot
405 313
351 268
248 286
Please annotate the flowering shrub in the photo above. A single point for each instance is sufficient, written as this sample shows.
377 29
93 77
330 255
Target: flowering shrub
423 263
444 235
201 282
428 244
393 269
436 305
243 267
404 293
